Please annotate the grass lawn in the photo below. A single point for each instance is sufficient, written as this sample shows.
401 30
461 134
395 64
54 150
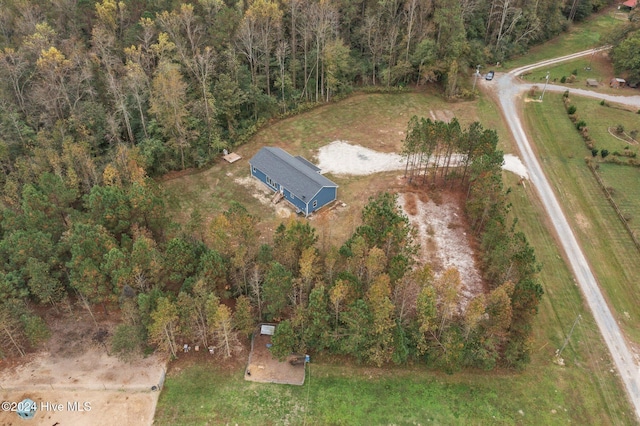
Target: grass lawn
602 121
581 36
613 257
584 391
353 395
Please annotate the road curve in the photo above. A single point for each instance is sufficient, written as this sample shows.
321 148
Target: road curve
508 89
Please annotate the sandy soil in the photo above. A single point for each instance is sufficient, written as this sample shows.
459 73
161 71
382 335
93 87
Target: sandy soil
259 191
263 367
343 158
104 407
444 242
77 368
513 164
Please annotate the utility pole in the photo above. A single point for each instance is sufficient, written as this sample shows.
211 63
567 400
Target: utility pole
476 77
566 341
588 68
545 86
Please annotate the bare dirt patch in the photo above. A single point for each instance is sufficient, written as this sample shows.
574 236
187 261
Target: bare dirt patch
442 115
444 241
76 367
513 164
624 137
582 221
343 158
264 195
263 367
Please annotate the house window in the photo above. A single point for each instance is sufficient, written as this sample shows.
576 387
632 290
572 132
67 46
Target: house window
254 170
272 183
315 203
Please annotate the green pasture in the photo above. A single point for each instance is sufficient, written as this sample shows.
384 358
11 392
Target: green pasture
356 395
610 250
583 391
624 185
580 36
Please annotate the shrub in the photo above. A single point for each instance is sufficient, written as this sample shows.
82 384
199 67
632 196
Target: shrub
604 153
602 102
532 91
565 94
575 72
594 152
633 134
571 79
126 341
581 125
619 129
572 109
563 79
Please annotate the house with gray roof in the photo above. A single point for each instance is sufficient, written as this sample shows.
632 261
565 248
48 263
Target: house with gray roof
296 180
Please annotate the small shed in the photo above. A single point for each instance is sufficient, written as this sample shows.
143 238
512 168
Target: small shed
294 179
592 82
27 409
617 82
267 330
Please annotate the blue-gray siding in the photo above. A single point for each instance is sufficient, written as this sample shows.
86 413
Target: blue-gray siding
322 197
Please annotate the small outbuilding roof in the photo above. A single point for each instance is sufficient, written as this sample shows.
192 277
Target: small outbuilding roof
631 3
294 173
267 329
592 82
619 80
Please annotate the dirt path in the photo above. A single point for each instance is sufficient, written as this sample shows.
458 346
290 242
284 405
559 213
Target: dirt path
507 88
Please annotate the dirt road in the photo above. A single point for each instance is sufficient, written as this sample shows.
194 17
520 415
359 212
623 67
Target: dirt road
508 89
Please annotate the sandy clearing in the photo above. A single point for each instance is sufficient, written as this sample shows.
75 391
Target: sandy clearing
106 407
76 367
344 158
513 164
444 244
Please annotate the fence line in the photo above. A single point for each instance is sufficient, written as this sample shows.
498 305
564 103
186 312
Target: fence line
607 194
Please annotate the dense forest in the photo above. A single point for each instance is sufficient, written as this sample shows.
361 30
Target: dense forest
96 97
181 80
